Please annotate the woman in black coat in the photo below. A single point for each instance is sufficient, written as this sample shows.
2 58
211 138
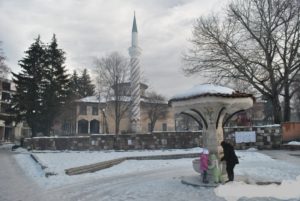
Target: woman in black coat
230 158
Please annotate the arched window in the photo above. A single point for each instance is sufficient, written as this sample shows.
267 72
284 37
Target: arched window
94 126
83 126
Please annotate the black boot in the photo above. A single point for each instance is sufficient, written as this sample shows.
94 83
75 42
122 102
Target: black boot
204 179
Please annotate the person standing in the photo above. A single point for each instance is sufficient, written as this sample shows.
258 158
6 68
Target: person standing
230 158
215 169
204 165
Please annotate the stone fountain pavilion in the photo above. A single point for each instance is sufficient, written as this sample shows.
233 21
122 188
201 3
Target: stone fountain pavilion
209 105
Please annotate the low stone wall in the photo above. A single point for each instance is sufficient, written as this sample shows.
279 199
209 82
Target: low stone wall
266 138
163 140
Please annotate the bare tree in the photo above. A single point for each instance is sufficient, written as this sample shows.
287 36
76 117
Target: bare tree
4 69
257 42
112 80
156 108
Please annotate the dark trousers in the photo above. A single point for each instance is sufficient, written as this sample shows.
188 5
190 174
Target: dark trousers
230 173
204 177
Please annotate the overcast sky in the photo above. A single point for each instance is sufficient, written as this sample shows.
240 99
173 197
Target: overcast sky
86 29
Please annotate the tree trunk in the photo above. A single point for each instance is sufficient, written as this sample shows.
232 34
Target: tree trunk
33 131
117 122
276 111
105 125
287 108
152 123
48 128
117 127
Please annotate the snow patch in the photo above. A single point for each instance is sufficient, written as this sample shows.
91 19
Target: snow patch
288 189
251 149
6 146
294 143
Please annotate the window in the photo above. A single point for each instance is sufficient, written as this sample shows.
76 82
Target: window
82 109
6 86
5 108
95 110
83 126
66 127
164 127
94 126
5 96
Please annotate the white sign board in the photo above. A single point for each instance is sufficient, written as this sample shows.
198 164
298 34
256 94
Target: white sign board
245 136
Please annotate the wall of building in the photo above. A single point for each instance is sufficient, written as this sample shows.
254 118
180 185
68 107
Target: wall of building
168 120
266 138
8 131
124 126
89 116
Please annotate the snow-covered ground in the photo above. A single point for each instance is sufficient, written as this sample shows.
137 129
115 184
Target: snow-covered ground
57 162
294 143
160 179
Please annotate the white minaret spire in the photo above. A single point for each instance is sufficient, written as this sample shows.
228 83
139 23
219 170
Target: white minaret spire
135 74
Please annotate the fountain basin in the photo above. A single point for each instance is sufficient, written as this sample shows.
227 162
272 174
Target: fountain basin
196 165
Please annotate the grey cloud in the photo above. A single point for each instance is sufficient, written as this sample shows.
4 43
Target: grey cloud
94 28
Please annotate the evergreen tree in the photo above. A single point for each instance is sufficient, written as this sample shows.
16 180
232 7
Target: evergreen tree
86 88
42 87
56 83
74 86
81 86
27 102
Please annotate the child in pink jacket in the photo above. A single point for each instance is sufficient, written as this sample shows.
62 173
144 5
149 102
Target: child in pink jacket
204 165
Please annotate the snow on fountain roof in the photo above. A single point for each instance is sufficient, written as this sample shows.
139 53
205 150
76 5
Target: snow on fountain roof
208 90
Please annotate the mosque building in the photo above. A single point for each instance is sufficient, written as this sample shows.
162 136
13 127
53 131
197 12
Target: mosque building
94 115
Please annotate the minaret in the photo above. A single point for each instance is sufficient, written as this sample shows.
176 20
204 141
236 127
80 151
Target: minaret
135 74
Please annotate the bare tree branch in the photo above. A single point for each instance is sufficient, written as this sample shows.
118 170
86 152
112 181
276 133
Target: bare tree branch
156 108
112 80
257 42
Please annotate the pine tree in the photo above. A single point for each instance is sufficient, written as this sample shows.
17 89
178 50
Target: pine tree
42 87
56 83
86 88
74 86
27 102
